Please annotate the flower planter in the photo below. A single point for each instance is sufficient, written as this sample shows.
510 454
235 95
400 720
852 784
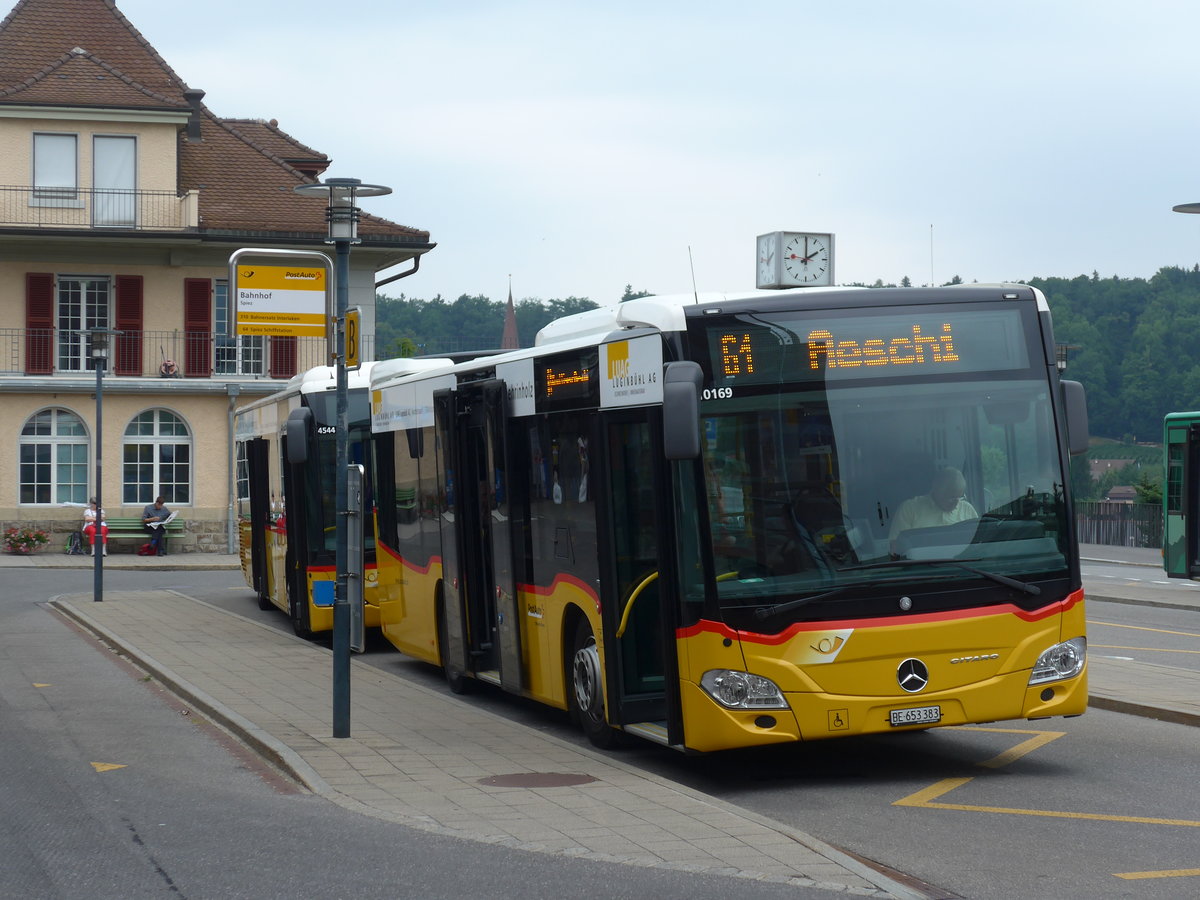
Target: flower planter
25 541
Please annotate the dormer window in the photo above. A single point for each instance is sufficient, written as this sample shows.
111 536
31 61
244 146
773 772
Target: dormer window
55 170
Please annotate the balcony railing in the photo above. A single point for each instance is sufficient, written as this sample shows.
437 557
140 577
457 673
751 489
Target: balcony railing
76 208
196 354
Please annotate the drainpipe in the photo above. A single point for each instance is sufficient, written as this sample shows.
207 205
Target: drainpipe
405 274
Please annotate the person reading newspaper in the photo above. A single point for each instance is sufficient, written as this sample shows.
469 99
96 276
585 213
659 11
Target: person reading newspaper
154 517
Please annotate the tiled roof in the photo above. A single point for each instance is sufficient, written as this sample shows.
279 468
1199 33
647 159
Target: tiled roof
275 140
256 193
37 33
86 53
83 79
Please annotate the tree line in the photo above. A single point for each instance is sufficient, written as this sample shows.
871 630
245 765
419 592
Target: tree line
409 326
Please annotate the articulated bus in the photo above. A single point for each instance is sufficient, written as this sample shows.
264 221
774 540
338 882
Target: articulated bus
1181 500
286 518
681 518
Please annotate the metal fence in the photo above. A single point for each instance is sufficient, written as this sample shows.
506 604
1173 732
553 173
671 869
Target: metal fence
42 207
141 353
1119 524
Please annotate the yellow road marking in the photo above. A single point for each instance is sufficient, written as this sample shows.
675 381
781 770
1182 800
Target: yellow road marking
106 767
38 684
1143 628
1147 649
1039 739
926 798
1164 873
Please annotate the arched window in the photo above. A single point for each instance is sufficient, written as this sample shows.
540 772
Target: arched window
54 458
157 459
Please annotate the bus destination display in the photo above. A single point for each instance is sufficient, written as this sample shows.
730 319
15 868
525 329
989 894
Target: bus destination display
568 381
759 349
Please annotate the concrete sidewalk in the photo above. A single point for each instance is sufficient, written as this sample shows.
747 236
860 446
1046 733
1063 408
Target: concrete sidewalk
46 559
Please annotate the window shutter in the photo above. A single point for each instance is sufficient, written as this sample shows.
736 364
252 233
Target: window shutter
283 357
197 327
39 323
129 344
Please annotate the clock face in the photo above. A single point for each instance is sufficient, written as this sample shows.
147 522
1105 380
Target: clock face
766 260
807 259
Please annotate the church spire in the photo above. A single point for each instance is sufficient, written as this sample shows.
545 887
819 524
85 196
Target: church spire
510 341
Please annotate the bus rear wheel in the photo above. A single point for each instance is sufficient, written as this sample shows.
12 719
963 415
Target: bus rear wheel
586 689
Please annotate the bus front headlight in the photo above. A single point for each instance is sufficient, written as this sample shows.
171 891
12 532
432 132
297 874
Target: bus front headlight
1061 661
741 690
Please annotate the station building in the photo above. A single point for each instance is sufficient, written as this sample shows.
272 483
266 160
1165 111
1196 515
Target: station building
122 197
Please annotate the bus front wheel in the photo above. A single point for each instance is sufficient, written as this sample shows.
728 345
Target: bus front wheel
586 689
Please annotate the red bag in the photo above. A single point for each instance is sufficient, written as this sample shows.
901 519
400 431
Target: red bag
145 550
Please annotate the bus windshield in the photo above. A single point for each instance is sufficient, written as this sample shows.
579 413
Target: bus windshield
836 491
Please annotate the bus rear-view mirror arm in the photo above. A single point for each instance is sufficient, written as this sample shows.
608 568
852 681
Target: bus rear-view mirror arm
1075 407
296 435
681 409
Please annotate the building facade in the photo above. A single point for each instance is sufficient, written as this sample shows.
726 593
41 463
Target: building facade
122 197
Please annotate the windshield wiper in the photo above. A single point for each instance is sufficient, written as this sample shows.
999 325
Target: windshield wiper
994 576
764 612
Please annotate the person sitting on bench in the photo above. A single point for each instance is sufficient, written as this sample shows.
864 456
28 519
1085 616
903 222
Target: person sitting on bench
91 518
156 512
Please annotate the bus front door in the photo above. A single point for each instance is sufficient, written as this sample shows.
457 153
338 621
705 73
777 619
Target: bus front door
258 480
482 625
642 681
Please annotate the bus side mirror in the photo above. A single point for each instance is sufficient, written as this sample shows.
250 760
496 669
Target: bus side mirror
1075 407
295 432
681 409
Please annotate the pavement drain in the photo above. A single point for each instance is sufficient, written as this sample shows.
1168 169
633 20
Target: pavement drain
536 780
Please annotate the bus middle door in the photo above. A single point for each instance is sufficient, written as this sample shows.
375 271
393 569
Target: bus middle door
486 598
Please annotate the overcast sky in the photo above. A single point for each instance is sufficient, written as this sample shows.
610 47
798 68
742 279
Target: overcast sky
582 147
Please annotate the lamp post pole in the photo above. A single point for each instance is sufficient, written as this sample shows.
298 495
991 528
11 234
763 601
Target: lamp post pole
98 350
342 215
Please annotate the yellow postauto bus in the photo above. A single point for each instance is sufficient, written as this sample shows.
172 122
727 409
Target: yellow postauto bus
286 518
722 521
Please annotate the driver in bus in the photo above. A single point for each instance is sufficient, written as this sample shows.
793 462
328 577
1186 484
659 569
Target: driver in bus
945 504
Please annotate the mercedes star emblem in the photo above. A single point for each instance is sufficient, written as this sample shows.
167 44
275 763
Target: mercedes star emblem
912 675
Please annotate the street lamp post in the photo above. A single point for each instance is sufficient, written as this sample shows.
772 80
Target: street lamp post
342 216
98 351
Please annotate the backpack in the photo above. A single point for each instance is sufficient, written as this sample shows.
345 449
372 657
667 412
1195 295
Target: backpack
146 550
74 545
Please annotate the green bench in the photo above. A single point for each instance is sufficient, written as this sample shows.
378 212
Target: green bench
132 527
406 504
